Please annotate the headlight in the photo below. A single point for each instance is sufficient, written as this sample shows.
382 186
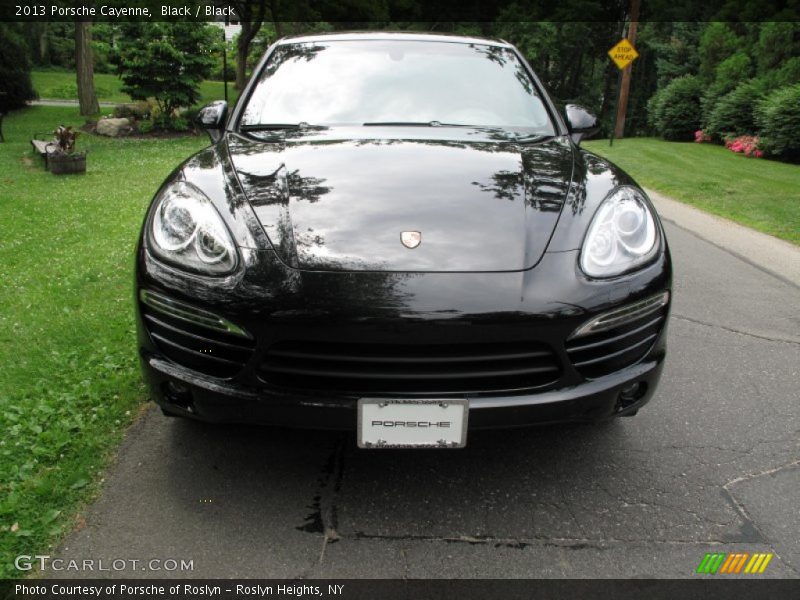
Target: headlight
622 235
186 230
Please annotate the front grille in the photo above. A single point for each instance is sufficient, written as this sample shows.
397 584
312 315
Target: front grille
614 349
409 368
200 348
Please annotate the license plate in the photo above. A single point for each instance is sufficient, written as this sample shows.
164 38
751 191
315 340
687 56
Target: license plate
412 423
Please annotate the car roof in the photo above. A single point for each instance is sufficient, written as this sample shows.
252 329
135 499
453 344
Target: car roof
393 35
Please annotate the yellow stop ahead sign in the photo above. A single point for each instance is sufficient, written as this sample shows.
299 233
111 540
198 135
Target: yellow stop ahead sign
623 53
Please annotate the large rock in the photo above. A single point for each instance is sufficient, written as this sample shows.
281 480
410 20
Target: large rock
112 127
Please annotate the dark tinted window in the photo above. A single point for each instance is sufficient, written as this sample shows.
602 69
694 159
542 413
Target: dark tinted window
357 82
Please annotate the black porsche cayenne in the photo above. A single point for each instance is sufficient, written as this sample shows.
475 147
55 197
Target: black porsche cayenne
399 234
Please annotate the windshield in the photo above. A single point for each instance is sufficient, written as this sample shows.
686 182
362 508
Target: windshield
380 82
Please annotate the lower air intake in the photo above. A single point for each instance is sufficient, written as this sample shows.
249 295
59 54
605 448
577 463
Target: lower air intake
613 349
194 337
409 369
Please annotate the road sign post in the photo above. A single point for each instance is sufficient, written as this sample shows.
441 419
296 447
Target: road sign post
623 54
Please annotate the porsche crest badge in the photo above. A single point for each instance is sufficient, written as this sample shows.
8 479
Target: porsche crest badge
411 239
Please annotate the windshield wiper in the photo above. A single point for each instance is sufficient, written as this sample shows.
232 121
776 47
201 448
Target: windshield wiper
534 138
510 136
415 124
278 126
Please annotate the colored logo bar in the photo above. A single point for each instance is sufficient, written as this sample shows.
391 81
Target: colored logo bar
734 563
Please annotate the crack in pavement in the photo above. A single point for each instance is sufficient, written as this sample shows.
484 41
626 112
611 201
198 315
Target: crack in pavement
732 330
743 512
651 503
747 476
746 451
520 543
748 531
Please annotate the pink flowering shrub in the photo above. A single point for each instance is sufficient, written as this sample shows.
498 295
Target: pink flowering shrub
744 144
701 137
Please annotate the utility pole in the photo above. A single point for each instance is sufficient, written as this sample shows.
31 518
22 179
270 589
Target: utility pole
625 86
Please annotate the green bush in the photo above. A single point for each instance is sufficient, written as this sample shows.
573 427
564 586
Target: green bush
787 74
733 71
675 111
190 114
179 124
145 126
161 121
717 43
734 113
653 107
778 115
730 73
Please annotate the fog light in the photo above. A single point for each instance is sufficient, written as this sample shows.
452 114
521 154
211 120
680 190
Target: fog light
178 393
631 393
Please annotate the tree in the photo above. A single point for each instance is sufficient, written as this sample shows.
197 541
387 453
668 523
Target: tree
51 43
84 68
38 38
777 43
251 17
717 43
165 61
15 69
675 47
567 51
252 13
731 72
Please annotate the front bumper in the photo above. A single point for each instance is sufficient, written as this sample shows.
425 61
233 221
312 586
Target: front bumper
398 308
217 401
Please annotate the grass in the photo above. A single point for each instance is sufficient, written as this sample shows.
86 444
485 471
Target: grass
60 85
69 383
762 194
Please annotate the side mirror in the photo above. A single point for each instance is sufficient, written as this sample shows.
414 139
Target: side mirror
212 117
581 123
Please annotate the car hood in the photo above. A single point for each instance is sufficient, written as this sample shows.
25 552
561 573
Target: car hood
341 204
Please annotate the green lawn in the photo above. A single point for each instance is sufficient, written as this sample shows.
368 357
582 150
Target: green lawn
69 382
762 194
60 85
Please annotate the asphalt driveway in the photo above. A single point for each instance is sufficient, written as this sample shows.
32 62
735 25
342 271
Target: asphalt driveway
712 464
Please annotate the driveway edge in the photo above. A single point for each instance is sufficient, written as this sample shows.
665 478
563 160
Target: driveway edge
770 254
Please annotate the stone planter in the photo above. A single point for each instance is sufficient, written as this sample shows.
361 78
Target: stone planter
60 163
